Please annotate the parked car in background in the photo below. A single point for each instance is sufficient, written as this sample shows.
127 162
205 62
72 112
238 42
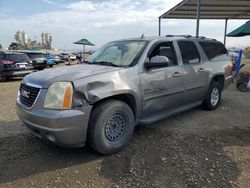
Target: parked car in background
124 83
13 64
78 55
50 60
39 62
64 56
72 57
57 59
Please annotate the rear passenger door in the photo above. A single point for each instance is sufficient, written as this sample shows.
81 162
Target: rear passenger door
196 76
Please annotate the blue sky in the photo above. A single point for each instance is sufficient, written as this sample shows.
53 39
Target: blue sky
99 21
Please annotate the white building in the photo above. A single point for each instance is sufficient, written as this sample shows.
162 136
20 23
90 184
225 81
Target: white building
24 38
21 37
18 36
46 39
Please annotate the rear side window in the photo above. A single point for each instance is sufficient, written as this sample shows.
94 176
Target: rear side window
189 52
213 49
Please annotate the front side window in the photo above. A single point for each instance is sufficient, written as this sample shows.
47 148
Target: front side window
189 52
120 53
165 49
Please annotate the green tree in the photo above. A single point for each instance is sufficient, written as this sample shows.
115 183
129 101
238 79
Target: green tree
1 46
16 46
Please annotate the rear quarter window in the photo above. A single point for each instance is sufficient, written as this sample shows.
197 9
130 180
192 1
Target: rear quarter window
213 50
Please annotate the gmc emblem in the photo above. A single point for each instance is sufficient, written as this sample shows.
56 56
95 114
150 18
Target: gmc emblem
24 93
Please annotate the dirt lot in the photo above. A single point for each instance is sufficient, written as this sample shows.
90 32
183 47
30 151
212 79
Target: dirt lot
193 149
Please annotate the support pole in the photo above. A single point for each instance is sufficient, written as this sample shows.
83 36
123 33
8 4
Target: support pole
198 17
159 26
225 33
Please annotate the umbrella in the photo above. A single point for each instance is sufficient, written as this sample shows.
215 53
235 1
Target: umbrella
241 31
84 42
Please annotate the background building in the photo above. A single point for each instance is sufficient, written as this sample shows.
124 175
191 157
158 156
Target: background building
21 37
46 40
23 42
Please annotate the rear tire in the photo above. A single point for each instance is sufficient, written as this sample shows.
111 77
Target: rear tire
111 127
213 97
242 87
50 66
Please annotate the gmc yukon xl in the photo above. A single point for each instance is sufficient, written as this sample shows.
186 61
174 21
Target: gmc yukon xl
124 83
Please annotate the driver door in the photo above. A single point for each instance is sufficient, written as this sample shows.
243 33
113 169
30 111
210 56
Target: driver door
162 88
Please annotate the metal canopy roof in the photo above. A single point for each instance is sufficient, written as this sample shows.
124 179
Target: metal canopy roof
210 9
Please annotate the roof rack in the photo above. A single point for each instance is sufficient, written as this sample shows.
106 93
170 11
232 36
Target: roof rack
202 37
186 36
190 36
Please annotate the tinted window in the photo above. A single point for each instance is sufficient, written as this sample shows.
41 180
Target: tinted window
189 52
213 49
35 55
17 57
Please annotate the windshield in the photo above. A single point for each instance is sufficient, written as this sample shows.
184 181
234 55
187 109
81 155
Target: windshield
35 55
47 55
120 53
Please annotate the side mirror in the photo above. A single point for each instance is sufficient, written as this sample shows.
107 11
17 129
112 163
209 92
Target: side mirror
157 61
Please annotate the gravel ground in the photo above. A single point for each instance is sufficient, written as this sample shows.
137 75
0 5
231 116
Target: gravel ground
193 149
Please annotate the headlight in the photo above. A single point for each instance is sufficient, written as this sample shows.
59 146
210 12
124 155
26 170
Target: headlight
59 96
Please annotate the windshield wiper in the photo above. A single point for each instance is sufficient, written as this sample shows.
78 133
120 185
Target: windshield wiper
106 63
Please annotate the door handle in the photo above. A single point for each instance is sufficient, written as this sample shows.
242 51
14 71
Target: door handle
202 70
176 74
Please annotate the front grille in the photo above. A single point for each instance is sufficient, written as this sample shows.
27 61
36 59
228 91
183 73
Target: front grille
28 94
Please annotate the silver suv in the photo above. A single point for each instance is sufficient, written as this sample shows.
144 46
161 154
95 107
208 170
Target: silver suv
124 83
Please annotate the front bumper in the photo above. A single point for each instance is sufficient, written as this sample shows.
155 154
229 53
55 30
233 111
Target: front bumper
227 82
17 72
50 62
39 65
62 127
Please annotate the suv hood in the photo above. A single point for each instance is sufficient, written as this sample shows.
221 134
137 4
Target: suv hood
68 73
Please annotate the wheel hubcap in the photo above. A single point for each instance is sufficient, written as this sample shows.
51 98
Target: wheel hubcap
115 127
215 96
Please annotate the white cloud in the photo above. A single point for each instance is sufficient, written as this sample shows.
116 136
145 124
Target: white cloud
101 21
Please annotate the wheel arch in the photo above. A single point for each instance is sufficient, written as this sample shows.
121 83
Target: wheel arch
219 78
127 98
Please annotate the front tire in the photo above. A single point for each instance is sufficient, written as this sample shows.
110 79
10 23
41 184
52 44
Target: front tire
213 97
111 127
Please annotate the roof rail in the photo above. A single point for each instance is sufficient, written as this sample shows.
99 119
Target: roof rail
190 36
202 37
186 36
